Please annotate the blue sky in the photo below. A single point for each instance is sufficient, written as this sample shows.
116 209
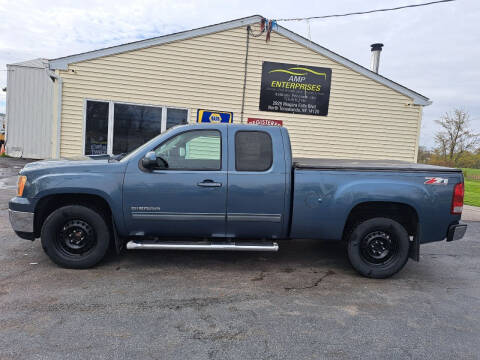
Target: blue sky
432 50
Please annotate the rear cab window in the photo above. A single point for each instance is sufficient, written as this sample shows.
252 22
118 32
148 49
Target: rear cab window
253 151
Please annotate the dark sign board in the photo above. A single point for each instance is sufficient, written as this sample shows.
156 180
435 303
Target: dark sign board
266 122
298 89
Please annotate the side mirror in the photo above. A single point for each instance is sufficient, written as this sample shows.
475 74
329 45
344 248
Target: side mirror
149 160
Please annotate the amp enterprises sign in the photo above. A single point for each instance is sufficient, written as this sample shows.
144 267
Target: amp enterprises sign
297 89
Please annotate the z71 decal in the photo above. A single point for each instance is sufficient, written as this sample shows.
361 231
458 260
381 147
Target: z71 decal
436 181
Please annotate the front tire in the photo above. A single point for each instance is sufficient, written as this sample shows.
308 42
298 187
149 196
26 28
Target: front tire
75 237
378 247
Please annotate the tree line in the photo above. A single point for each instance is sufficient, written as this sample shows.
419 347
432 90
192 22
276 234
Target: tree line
456 144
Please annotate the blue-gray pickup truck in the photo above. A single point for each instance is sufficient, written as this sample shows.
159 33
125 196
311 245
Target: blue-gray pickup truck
235 187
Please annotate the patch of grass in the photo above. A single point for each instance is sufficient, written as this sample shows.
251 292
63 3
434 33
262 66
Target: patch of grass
470 171
472 193
472 186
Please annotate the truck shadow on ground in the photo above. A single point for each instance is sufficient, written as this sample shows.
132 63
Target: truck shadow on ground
299 265
292 255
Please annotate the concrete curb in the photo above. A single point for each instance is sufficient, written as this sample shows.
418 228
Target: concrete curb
471 213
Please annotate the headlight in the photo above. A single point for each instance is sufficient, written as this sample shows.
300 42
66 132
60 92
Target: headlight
22 179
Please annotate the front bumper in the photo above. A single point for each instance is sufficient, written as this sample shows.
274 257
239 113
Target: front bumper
21 214
456 232
21 221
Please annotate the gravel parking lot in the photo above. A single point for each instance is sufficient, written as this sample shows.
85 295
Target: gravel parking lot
304 302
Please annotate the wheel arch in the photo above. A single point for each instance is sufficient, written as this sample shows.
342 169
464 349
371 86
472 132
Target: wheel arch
404 213
49 203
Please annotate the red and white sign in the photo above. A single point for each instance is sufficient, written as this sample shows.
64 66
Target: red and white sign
265 122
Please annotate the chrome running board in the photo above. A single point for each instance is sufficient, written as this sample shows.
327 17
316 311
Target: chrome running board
134 245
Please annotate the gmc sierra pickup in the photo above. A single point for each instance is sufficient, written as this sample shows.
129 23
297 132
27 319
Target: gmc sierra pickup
235 187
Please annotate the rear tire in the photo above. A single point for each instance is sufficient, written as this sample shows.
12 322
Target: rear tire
378 247
75 237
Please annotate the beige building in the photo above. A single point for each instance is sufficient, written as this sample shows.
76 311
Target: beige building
113 99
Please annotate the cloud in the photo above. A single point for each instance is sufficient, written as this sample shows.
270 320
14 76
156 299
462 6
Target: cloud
432 50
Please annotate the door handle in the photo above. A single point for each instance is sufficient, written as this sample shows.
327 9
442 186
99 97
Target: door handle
209 183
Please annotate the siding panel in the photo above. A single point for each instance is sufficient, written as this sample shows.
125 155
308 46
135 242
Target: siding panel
366 119
29 112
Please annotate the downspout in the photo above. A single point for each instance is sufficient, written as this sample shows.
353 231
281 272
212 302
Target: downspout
59 110
419 127
245 74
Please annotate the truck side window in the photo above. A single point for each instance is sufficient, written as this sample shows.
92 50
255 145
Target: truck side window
253 151
192 150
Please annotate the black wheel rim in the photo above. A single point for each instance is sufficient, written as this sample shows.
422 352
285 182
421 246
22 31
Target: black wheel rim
76 238
379 248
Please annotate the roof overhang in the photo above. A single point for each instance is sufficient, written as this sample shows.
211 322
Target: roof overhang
38 63
63 62
418 99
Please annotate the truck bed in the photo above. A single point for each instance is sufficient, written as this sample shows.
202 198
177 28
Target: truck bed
367 165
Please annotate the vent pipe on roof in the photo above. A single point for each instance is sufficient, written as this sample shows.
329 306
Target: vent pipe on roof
376 50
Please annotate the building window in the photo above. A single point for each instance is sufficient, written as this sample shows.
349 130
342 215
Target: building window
134 125
96 128
116 128
253 151
192 150
176 117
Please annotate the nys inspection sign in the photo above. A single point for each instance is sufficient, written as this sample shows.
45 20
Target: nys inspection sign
298 89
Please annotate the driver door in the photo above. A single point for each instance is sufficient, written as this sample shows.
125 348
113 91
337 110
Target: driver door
185 199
